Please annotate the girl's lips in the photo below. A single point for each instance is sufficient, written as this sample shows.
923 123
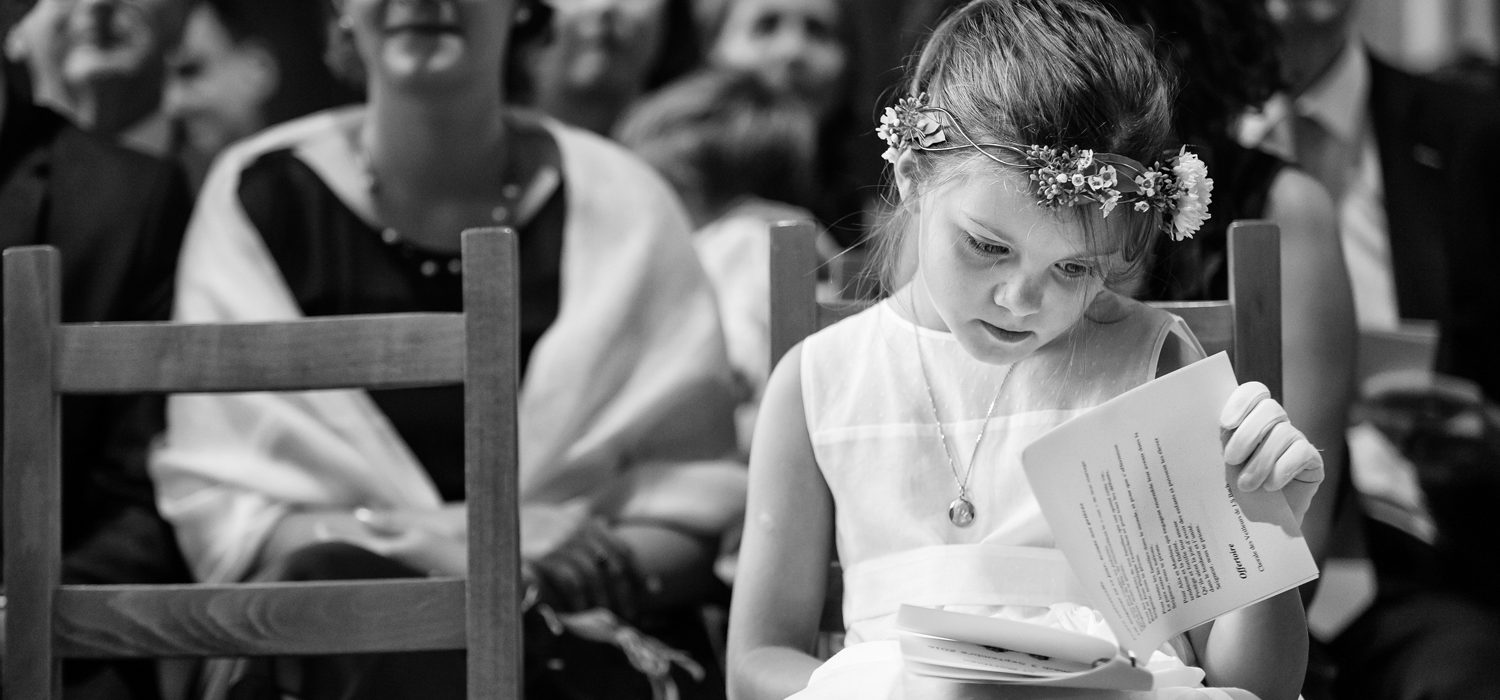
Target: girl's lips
1007 336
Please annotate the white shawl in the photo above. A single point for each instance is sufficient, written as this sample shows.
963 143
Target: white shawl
632 371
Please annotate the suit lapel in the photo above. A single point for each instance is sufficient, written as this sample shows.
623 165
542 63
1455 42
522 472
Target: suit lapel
1412 173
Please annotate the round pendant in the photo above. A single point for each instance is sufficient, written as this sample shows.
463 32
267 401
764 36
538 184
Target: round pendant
961 512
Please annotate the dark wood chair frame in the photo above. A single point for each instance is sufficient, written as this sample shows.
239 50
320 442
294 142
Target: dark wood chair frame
44 359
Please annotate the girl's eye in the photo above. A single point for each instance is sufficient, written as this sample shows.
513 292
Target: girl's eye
985 247
1074 269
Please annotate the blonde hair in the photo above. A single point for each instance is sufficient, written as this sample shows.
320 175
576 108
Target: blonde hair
1060 73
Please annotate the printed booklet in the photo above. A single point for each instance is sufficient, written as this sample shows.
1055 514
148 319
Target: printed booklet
1147 514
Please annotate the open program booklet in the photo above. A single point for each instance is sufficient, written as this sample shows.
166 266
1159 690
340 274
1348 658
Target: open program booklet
1145 510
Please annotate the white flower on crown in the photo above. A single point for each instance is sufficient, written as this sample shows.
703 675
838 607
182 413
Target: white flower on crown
1194 193
907 125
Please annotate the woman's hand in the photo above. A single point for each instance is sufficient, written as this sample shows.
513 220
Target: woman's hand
434 541
1274 455
591 569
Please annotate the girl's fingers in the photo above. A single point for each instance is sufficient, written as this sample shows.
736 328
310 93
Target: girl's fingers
1251 430
1245 397
1300 462
1260 465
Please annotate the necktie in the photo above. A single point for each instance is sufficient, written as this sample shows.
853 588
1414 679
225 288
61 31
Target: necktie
1323 154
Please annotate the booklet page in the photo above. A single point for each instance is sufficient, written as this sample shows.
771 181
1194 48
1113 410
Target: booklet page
1140 500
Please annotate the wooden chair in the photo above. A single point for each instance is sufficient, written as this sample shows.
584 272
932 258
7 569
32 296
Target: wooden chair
46 621
1247 325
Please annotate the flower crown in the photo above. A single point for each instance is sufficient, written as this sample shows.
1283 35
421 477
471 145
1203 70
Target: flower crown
1179 188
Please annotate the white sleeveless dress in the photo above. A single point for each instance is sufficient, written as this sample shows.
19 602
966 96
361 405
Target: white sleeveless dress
879 450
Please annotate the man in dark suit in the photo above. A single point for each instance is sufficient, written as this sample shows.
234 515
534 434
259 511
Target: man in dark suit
1411 163
1439 144
117 217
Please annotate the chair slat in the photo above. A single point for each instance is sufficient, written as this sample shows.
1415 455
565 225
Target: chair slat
793 285
1255 292
1211 321
32 496
377 351
491 447
45 359
301 618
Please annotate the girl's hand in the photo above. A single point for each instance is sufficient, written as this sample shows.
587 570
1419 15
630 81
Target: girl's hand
1275 456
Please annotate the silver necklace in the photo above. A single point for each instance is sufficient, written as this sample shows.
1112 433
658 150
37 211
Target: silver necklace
518 205
961 511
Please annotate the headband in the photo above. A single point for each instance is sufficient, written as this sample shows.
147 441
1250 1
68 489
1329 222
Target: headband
1178 188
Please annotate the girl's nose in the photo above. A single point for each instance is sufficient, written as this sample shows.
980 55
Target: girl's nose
1019 295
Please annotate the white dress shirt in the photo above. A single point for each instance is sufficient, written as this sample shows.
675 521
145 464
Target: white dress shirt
1327 130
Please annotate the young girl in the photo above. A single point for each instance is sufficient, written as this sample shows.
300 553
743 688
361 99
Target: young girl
1029 158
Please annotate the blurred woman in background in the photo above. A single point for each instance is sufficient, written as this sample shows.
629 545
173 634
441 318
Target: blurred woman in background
626 408
586 61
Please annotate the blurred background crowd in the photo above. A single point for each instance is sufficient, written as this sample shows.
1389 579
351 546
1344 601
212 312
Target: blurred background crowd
148 138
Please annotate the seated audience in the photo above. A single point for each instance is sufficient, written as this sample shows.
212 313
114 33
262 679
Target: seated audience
103 63
740 156
117 218
626 403
244 65
1433 630
805 49
585 61
1409 162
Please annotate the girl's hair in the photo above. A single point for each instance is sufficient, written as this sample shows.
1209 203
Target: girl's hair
719 135
1054 73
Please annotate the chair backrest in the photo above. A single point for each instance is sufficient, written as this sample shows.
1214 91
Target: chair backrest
1247 325
44 359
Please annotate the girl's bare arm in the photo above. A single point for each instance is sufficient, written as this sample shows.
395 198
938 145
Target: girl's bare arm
783 567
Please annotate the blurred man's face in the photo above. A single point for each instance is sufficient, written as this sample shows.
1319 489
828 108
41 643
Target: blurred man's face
119 38
1297 18
794 45
216 87
1312 36
601 44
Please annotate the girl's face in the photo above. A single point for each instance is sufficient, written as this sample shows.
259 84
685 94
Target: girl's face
423 44
1001 273
609 44
793 44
